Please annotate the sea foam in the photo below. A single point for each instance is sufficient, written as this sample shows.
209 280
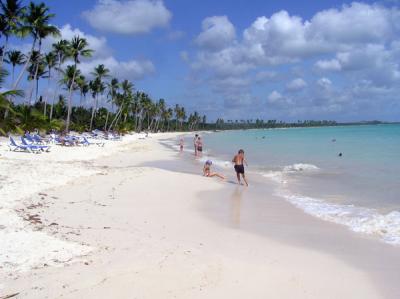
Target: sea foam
358 219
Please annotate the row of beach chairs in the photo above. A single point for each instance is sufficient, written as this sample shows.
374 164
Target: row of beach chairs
33 143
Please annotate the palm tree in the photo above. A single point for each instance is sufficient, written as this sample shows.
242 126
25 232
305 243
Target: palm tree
182 116
99 73
36 62
50 60
166 116
60 49
77 48
4 102
68 77
97 87
124 100
15 58
159 109
113 87
12 12
94 89
83 87
36 23
177 115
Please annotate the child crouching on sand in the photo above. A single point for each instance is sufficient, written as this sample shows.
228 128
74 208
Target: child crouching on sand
207 170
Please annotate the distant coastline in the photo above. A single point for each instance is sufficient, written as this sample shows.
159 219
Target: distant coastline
221 125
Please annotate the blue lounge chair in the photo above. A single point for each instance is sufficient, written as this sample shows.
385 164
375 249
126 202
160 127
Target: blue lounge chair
87 142
36 146
37 139
21 147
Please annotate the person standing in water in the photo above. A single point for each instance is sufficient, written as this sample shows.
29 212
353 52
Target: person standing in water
199 144
195 144
239 162
181 144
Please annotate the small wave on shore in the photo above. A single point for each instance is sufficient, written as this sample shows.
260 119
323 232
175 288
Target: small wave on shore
358 219
300 167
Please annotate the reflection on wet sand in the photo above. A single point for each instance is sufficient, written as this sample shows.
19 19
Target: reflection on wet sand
236 200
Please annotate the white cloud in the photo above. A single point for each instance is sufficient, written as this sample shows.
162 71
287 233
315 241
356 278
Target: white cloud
324 82
296 84
218 32
353 24
128 17
132 69
97 44
360 42
328 65
274 97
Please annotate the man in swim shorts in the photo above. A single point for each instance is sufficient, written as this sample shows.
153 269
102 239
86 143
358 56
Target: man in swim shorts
239 162
199 144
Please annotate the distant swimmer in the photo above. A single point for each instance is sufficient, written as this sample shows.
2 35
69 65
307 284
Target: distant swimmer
333 140
263 137
340 154
181 143
239 162
207 171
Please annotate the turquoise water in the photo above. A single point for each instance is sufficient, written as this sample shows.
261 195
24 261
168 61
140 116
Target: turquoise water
360 189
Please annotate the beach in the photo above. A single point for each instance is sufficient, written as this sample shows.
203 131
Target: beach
136 219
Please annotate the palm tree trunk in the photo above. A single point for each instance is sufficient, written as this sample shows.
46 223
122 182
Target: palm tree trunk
105 126
47 93
37 89
25 66
37 69
93 111
136 119
115 118
13 73
4 52
70 100
31 92
7 108
55 91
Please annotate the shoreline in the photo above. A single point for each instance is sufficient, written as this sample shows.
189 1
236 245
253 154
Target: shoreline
140 234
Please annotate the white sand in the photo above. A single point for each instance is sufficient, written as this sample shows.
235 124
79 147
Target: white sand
143 235
23 175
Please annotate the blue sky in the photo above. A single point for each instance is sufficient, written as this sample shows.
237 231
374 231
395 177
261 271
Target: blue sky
249 59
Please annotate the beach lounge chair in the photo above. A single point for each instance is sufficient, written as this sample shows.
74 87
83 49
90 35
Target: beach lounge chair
112 136
45 148
29 138
22 147
38 140
86 142
97 134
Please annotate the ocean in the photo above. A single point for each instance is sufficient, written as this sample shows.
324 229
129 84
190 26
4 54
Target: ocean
359 189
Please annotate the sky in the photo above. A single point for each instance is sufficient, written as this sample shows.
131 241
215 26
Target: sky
285 60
